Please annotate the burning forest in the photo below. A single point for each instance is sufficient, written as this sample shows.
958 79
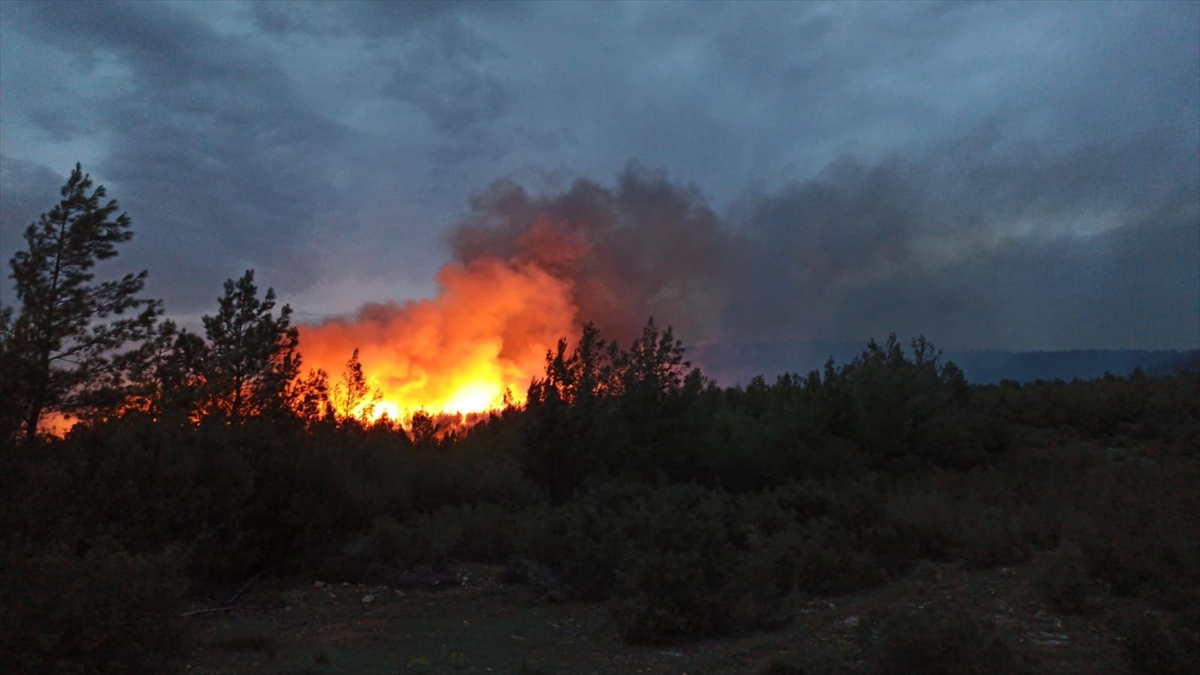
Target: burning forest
473 348
528 272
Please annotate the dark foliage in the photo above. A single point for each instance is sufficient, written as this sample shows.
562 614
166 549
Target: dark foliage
721 511
1154 644
62 351
939 643
100 611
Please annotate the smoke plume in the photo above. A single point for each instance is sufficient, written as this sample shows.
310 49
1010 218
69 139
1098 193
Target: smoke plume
972 252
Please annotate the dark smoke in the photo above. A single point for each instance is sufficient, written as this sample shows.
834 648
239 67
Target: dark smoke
971 247
646 247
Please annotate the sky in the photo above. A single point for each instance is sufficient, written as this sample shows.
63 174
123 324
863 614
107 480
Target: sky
991 175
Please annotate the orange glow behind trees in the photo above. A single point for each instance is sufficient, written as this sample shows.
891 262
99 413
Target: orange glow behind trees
485 335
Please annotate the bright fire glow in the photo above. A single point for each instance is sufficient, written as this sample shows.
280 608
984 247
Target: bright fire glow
486 333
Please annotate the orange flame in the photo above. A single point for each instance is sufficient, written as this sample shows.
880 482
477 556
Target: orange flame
484 335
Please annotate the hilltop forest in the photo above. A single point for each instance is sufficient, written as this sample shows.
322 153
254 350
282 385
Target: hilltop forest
202 463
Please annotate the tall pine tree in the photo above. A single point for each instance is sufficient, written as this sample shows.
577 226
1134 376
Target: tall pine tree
253 354
62 351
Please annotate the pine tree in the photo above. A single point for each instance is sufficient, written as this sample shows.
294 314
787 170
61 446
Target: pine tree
167 373
654 365
253 353
353 397
62 352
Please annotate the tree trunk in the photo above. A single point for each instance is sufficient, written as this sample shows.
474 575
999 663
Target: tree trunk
31 423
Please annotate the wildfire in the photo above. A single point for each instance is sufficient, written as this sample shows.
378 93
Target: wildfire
527 268
484 336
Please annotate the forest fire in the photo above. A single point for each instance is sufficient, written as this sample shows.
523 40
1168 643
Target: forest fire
527 271
482 338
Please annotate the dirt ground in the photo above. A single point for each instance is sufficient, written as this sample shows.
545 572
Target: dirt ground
471 622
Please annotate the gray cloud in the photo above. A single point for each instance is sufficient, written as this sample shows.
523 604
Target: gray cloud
208 147
1000 174
29 188
980 251
375 20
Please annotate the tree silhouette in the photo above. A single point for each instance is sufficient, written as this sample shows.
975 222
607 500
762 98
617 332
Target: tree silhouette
309 398
168 373
654 366
253 355
353 396
62 350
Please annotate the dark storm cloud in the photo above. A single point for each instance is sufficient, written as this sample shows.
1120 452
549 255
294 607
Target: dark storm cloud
990 174
980 251
424 52
32 188
853 217
208 147
374 20
459 95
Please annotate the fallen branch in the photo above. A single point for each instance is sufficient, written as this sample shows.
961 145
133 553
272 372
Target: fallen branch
229 608
245 586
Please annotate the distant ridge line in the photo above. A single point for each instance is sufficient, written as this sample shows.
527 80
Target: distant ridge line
732 363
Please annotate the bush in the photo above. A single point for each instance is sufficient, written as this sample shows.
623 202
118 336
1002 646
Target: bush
678 580
1143 516
937 642
666 557
479 532
956 440
994 536
1157 645
1063 581
587 539
832 562
482 532
919 525
666 594
371 555
104 612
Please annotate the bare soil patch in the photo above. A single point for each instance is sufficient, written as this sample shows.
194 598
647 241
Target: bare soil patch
475 623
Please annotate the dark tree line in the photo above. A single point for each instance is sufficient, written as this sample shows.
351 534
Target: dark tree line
94 350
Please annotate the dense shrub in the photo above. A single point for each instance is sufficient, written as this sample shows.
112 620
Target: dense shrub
1064 582
587 539
905 641
371 555
993 536
105 611
482 533
934 641
923 524
1156 645
677 578
1143 516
